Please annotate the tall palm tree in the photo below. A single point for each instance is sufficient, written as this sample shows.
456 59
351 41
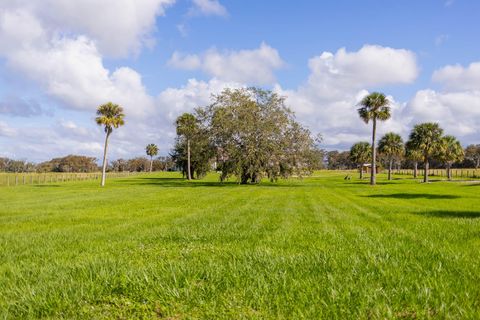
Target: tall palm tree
110 116
151 150
391 145
450 151
426 137
413 155
374 107
360 153
186 127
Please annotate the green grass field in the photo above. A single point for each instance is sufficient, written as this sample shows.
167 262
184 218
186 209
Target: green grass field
156 246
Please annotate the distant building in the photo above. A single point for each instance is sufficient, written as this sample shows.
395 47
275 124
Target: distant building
367 168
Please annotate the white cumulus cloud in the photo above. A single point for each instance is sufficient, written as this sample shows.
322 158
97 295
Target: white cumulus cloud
328 101
254 66
208 8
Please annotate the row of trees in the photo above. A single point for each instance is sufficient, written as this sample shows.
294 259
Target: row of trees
341 160
248 133
426 143
83 164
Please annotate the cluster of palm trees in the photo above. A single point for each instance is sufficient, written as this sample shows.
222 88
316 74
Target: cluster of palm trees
426 141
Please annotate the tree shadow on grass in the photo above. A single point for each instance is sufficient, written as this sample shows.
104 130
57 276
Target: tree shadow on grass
183 183
414 196
451 214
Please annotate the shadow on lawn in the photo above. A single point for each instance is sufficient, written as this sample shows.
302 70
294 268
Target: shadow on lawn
414 196
451 214
183 183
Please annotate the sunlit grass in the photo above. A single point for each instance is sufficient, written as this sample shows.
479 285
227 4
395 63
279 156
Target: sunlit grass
156 246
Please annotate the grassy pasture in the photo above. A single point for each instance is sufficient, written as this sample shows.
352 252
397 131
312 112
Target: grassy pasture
156 246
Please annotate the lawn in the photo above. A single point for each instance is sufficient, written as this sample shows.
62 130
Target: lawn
156 246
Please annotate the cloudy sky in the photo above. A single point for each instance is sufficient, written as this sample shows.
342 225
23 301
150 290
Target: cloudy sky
158 58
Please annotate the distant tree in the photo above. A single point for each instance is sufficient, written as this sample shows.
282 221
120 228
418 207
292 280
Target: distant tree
202 153
70 163
391 146
413 155
472 153
374 107
186 128
427 138
119 165
110 116
138 164
151 150
361 153
450 151
339 160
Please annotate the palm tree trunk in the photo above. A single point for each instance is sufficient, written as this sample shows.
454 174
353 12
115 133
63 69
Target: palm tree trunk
189 174
373 176
390 169
151 163
425 171
415 170
104 164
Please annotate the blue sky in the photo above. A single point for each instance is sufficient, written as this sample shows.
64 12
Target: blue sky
159 58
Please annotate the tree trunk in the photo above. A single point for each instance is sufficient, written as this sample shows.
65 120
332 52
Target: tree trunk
449 171
189 174
104 164
477 163
390 164
415 170
425 171
361 172
373 176
151 163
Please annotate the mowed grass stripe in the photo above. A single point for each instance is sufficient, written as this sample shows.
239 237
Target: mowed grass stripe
157 246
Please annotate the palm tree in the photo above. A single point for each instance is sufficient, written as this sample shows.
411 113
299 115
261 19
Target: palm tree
413 155
391 145
450 151
426 137
186 127
360 153
110 116
375 107
151 150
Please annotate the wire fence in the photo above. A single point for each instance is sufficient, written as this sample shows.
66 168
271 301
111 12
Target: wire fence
32 178
456 173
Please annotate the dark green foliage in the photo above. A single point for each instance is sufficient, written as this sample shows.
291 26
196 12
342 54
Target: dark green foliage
427 138
472 153
70 163
392 148
361 153
257 136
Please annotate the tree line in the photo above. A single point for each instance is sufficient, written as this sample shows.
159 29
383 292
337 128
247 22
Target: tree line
84 164
250 134
426 143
